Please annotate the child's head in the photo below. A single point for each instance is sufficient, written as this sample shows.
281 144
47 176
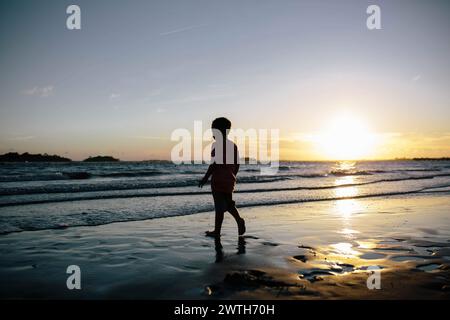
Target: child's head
222 124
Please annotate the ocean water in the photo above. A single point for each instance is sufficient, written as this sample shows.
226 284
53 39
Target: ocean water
37 196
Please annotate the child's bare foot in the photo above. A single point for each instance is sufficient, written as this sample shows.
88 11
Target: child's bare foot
212 234
241 227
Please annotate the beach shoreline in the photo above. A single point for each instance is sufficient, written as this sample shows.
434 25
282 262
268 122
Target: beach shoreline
316 250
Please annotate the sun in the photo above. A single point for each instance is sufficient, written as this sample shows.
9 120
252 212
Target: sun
346 138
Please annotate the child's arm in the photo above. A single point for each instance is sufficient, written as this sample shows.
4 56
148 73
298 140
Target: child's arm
236 169
207 175
236 160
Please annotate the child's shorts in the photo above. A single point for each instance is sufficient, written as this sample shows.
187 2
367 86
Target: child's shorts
223 201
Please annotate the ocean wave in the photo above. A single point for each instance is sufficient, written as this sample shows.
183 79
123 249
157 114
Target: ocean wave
342 173
127 185
99 218
78 175
33 177
85 175
187 182
418 170
94 196
127 174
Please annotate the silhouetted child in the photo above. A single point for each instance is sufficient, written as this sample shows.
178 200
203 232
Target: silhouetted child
223 169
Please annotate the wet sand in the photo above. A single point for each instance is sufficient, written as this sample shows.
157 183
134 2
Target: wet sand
300 251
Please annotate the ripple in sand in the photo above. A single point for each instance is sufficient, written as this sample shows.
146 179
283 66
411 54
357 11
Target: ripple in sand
250 237
191 267
367 267
429 244
306 247
372 256
317 274
253 278
429 231
408 258
271 244
394 249
313 275
301 258
342 267
22 268
430 267
440 252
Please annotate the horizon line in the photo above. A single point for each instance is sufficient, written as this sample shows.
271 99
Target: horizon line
444 158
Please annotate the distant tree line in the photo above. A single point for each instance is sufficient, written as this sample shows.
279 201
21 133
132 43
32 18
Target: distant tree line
28 157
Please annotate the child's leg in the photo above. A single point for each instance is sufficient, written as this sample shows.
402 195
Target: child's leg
217 224
235 213
220 210
231 207
240 222
218 221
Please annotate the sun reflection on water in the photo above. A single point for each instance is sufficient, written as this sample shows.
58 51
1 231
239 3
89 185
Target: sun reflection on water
347 207
349 233
367 244
345 165
349 191
344 249
346 192
344 180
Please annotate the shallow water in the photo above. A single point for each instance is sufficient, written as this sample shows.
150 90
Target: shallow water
310 250
38 196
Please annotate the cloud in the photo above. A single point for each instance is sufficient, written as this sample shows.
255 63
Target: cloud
150 95
149 138
416 78
114 96
197 98
24 138
188 28
42 92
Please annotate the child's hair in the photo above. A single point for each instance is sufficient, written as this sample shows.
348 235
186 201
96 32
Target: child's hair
222 124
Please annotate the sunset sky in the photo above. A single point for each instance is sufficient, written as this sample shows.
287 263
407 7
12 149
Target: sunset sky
137 70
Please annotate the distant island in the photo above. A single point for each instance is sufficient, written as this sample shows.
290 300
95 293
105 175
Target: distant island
101 159
432 159
27 157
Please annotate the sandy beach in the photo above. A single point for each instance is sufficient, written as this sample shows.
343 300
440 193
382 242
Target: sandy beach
318 129
318 250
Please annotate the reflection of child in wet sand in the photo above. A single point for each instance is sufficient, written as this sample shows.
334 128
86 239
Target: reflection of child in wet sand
223 169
